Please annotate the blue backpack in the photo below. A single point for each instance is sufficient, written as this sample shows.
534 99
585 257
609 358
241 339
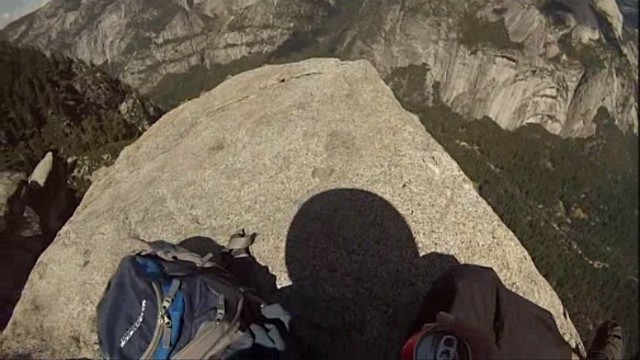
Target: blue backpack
170 303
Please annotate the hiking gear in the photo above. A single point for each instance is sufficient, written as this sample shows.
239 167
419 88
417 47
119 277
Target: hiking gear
239 243
494 321
608 342
435 345
170 303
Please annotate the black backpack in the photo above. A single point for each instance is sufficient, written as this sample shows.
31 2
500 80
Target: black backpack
170 303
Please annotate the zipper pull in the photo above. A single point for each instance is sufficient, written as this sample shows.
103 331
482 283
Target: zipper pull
166 303
166 331
173 289
220 309
164 316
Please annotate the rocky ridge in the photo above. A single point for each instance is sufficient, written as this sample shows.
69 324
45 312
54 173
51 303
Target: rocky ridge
271 150
517 62
56 103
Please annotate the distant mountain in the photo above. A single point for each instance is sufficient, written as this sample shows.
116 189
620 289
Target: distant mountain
552 62
55 103
524 70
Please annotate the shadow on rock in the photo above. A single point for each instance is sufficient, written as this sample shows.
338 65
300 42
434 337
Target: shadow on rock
202 245
357 276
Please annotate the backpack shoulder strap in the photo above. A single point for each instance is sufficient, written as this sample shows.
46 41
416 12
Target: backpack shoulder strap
238 246
239 243
170 252
211 342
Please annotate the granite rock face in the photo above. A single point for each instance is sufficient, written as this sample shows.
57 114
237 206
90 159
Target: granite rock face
551 62
144 40
290 151
516 62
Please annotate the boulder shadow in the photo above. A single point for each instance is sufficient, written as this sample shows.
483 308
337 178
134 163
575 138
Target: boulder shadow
202 245
357 276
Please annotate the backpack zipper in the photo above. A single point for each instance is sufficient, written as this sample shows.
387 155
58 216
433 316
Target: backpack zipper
162 332
221 309
196 347
164 316
166 331
157 331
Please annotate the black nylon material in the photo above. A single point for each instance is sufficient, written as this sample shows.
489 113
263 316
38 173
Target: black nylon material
201 302
120 309
476 295
120 306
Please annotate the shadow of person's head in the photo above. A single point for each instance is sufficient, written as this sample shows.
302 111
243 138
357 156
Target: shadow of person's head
357 277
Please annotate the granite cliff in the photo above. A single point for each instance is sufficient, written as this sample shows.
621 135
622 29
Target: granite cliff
269 150
551 62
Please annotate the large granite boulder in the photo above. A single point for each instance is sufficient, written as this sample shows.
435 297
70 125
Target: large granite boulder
356 207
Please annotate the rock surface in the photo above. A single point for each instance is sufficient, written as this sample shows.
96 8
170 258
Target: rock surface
518 61
609 9
41 172
10 183
514 62
274 150
144 40
31 213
